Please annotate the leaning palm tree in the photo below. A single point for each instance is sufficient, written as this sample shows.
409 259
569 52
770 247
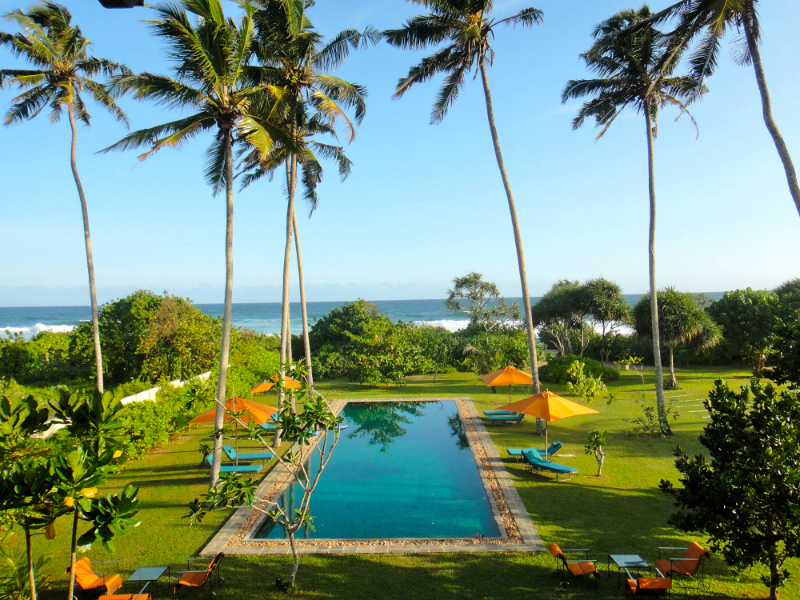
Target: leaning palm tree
294 59
213 79
466 30
710 20
635 71
63 73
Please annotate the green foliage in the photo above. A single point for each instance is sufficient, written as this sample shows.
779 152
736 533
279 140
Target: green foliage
46 357
482 301
110 516
744 497
597 439
748 319
559 312
14 581
787 355
680 320
584 385
557 369
789 295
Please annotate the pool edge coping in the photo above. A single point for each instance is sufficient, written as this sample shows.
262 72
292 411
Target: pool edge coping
224 540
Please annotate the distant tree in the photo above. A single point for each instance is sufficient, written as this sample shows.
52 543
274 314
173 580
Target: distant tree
789 294
635 71
748 319
63 73
597 439
710 19
482 301
680 322
560 312
744 497
787 355
466 30
605 306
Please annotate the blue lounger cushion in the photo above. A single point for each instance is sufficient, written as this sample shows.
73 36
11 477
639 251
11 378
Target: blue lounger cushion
231 452
507 418
498 413
532 457
552 449
269 426
235 468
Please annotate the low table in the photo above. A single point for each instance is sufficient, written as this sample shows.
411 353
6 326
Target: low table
151 574
626 561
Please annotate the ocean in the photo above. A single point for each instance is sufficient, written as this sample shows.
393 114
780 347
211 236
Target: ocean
264 317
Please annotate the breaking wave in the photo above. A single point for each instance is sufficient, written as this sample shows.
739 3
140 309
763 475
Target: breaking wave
449 324
30 332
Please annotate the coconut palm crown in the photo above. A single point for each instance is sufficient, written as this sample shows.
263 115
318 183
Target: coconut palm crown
64 72
213 79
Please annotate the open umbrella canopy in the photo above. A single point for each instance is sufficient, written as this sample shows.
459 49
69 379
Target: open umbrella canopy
507 376
266 386
258 413
549 406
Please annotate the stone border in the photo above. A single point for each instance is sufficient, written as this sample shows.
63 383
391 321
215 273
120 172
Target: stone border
517 531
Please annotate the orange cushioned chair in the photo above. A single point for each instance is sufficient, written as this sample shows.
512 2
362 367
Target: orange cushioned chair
689 564
89 580
648 586
137 596
576 569
196 579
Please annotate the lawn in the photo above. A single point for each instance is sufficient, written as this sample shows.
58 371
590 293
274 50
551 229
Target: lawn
621 511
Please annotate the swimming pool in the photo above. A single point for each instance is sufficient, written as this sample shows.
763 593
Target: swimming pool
400 470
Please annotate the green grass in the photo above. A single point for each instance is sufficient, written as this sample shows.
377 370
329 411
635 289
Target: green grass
622 511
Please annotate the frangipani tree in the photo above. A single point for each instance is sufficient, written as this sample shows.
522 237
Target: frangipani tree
63 74
635 71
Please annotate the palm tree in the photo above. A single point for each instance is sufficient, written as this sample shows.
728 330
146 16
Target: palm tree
680 322
635 71
294 59
63 73
711 19
466 29
213 78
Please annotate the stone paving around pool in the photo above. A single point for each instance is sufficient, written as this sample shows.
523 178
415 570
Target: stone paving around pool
518 533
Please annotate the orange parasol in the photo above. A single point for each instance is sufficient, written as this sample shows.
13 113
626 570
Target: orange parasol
258 413
508 376
265 386
550 407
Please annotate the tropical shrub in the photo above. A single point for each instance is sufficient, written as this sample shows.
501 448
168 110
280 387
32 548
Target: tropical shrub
557 369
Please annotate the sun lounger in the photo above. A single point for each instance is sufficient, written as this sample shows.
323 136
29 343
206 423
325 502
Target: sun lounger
231 453
499 413
235 468
507 418
535 461
88 580
551 450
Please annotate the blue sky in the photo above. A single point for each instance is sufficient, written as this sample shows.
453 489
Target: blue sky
424 203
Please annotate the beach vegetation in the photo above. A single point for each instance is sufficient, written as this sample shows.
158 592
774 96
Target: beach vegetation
63 75
481 300
557 369
636 71
604 305
560 313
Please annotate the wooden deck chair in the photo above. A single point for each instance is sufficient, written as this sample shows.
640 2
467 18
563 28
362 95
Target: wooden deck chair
196 579
89 580
689 564
648 586
576 569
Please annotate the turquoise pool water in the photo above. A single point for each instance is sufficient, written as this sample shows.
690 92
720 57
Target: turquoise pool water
400 470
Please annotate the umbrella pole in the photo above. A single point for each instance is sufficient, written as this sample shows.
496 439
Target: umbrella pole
236 435
546 445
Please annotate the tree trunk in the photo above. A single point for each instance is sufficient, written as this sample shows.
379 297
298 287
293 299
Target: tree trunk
766 107
87 236
526 298
673 381
285 314
662 415
600 457
73 553
219 414
303 308
31 574
295 560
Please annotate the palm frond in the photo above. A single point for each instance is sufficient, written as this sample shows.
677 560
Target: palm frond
335 153
423 31
172 134
527 17
449 91
430 66
335 52
162 89
29 104
101 95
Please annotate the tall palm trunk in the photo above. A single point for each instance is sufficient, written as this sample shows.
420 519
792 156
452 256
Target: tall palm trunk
285 315
219 414
526 298
673 380
766 107
98 357
651 173
303 308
